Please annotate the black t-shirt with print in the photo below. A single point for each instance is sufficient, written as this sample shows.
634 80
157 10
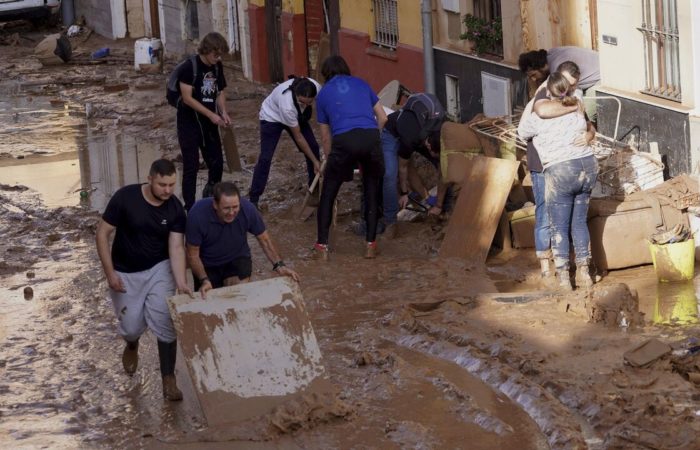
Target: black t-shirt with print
141 239
210 81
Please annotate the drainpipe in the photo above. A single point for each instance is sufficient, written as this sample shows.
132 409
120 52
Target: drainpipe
428 63
67 12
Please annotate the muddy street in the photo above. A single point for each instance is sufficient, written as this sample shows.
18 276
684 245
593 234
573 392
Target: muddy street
422 352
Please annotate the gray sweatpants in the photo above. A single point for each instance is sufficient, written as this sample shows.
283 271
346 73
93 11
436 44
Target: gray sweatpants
144 303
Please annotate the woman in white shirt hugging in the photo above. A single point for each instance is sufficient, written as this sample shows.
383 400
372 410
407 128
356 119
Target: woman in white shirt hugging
570 172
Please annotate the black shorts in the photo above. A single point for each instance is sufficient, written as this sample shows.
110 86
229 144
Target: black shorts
240 267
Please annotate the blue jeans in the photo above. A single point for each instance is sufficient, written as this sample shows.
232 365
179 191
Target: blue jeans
270 133
568 187
542 232
390 187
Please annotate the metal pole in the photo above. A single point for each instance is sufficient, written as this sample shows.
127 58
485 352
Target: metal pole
428 63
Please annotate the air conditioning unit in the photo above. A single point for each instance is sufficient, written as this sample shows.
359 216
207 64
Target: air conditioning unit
496 95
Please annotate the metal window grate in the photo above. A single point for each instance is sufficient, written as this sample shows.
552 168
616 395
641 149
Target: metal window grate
661 50
386 23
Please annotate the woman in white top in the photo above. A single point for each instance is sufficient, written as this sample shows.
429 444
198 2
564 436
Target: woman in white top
570 172
287 108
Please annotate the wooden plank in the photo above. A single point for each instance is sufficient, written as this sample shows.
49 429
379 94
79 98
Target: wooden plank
233 159
480 204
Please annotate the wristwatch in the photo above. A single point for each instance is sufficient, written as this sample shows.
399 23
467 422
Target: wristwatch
278 264
203 279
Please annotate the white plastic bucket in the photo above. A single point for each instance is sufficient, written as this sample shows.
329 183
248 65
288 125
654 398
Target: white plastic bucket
147 51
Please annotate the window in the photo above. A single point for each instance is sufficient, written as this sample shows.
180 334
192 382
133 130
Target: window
484 28
661 57
386 24
487 9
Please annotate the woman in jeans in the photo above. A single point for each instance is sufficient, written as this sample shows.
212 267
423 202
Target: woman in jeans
570 172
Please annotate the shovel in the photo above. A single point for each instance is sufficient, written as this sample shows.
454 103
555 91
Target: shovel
306 207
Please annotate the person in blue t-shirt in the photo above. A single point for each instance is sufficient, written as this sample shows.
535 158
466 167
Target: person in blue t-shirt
350 117
217 244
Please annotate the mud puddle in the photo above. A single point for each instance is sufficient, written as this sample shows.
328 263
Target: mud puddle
48 145
667 303
671 303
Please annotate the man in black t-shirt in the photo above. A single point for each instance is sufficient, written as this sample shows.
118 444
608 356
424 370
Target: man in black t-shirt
200 114
146 265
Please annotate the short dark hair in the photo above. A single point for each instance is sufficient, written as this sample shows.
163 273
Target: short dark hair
212 42
570 67
162 167
226 188
334 65
303 87
533 60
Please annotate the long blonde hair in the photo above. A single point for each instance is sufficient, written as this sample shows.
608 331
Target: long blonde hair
559 87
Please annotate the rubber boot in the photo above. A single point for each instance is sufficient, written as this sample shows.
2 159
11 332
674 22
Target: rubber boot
170 390
583 277
564 281
544 268
167 354
130 357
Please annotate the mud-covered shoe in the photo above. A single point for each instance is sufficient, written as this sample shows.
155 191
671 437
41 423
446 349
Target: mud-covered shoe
584 278
170 389
319 252
130 357
371 251
564 281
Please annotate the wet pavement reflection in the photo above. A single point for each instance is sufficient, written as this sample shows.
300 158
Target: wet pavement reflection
667 303
48 145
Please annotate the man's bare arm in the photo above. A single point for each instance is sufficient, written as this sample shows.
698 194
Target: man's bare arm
176 252
104 231
273 256
197 268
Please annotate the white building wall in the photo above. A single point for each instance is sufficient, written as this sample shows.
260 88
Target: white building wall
621 65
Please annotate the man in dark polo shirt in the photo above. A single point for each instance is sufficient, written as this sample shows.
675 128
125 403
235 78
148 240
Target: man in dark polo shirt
146 265
217 240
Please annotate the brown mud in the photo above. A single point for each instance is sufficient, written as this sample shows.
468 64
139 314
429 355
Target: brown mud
419 356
